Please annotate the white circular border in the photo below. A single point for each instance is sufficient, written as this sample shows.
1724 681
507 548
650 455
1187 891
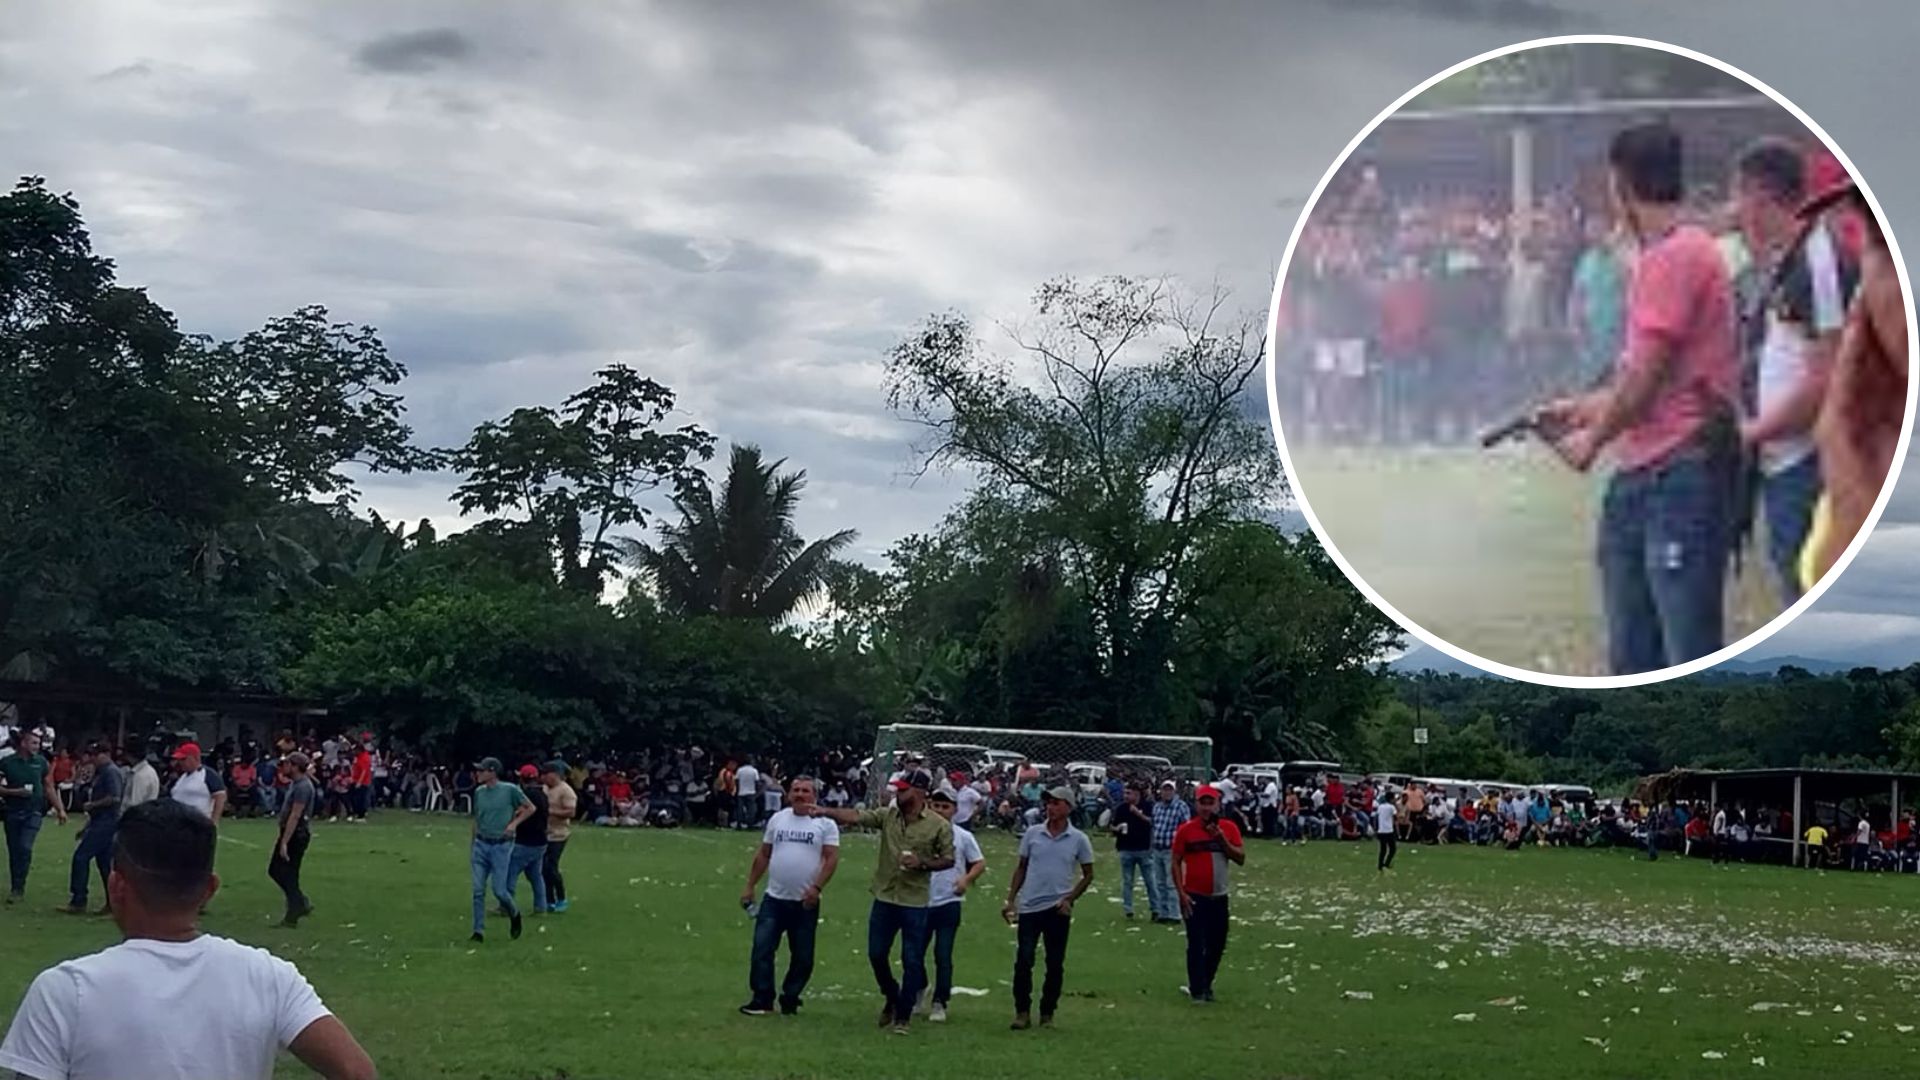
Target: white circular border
1593 681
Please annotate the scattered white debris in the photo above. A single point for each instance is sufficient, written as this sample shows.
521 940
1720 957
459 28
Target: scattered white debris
1712 1055
1358 995
1466 1018
1766 1006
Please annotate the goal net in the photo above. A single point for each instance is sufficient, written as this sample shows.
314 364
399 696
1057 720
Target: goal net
1007 757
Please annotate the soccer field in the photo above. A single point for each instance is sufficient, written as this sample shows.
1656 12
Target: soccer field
1491 550
1462 962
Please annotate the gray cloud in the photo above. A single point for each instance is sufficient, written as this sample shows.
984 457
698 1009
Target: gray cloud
414 52
751 202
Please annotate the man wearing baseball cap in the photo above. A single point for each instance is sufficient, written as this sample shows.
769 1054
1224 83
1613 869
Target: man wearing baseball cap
914 844
498 810
101 804
1858 431
290 848
562 804
196 785
1202 848
530 841
1040 902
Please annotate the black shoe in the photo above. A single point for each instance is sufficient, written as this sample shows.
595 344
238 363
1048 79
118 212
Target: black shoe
753 1009
886 1015
514 926
477 936
1046 1020
789 1008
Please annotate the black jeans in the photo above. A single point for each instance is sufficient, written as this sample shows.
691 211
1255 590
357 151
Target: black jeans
943 922
286 872
550 868
798 922
1388 845
1051 926
1206 942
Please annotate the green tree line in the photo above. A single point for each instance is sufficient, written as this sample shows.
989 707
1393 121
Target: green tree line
181 512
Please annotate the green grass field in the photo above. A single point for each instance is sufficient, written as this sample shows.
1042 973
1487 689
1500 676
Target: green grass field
1492 551
1461 963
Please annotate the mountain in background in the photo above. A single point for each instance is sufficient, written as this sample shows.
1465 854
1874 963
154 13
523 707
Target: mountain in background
1424 657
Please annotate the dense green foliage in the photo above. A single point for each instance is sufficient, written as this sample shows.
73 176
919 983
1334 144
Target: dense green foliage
1487 729
182 514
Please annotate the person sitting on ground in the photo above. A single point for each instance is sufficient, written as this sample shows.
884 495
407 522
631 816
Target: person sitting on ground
170 1002
1511 834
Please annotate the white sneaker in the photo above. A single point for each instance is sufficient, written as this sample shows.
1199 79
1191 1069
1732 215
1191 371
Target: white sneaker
939 1015
926 999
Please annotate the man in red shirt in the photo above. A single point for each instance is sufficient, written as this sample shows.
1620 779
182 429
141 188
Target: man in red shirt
1336 795
1202 848
362 779
1669 420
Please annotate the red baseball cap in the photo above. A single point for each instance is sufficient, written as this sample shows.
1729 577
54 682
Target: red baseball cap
1205 791
528 772
185 749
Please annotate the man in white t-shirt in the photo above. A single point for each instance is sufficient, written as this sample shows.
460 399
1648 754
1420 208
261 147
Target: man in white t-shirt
196 785
1384 831
1806 307
797 855
966 803
168 1002
1862 843
944 895
746 802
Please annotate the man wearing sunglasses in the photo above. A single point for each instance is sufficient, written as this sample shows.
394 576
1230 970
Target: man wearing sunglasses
1202 848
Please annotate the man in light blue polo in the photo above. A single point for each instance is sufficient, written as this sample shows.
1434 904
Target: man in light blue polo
1040 902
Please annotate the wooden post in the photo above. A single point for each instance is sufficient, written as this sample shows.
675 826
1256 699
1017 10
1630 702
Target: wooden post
1799 831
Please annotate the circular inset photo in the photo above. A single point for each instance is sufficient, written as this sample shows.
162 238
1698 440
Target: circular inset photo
1590 361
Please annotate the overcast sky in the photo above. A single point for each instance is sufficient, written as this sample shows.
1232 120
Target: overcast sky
751 202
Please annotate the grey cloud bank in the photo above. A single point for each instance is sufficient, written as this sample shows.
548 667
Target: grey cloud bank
749 202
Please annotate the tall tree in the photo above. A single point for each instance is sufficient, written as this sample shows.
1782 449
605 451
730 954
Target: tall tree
740 556
147 470
1119 429
578 473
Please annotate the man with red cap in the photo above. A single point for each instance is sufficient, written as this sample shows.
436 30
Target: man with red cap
1858 431
197 785
1202 848
530 841
914 844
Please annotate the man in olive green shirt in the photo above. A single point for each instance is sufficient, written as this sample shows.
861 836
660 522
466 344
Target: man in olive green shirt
914 843
27 797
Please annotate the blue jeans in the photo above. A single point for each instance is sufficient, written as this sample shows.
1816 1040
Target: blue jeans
1131 861
1664 539
1160 884
529 860
269 799
22 827
798 922
943 923
746 810
1787 499
492 866
95 847
884 921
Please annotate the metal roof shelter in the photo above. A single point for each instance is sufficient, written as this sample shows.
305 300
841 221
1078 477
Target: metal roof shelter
1806 787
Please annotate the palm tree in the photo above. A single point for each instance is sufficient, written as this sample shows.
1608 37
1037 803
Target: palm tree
740 556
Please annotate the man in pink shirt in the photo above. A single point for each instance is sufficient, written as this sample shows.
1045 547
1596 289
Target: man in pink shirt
1667 418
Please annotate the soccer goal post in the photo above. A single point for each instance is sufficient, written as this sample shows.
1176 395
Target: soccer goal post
1082 758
